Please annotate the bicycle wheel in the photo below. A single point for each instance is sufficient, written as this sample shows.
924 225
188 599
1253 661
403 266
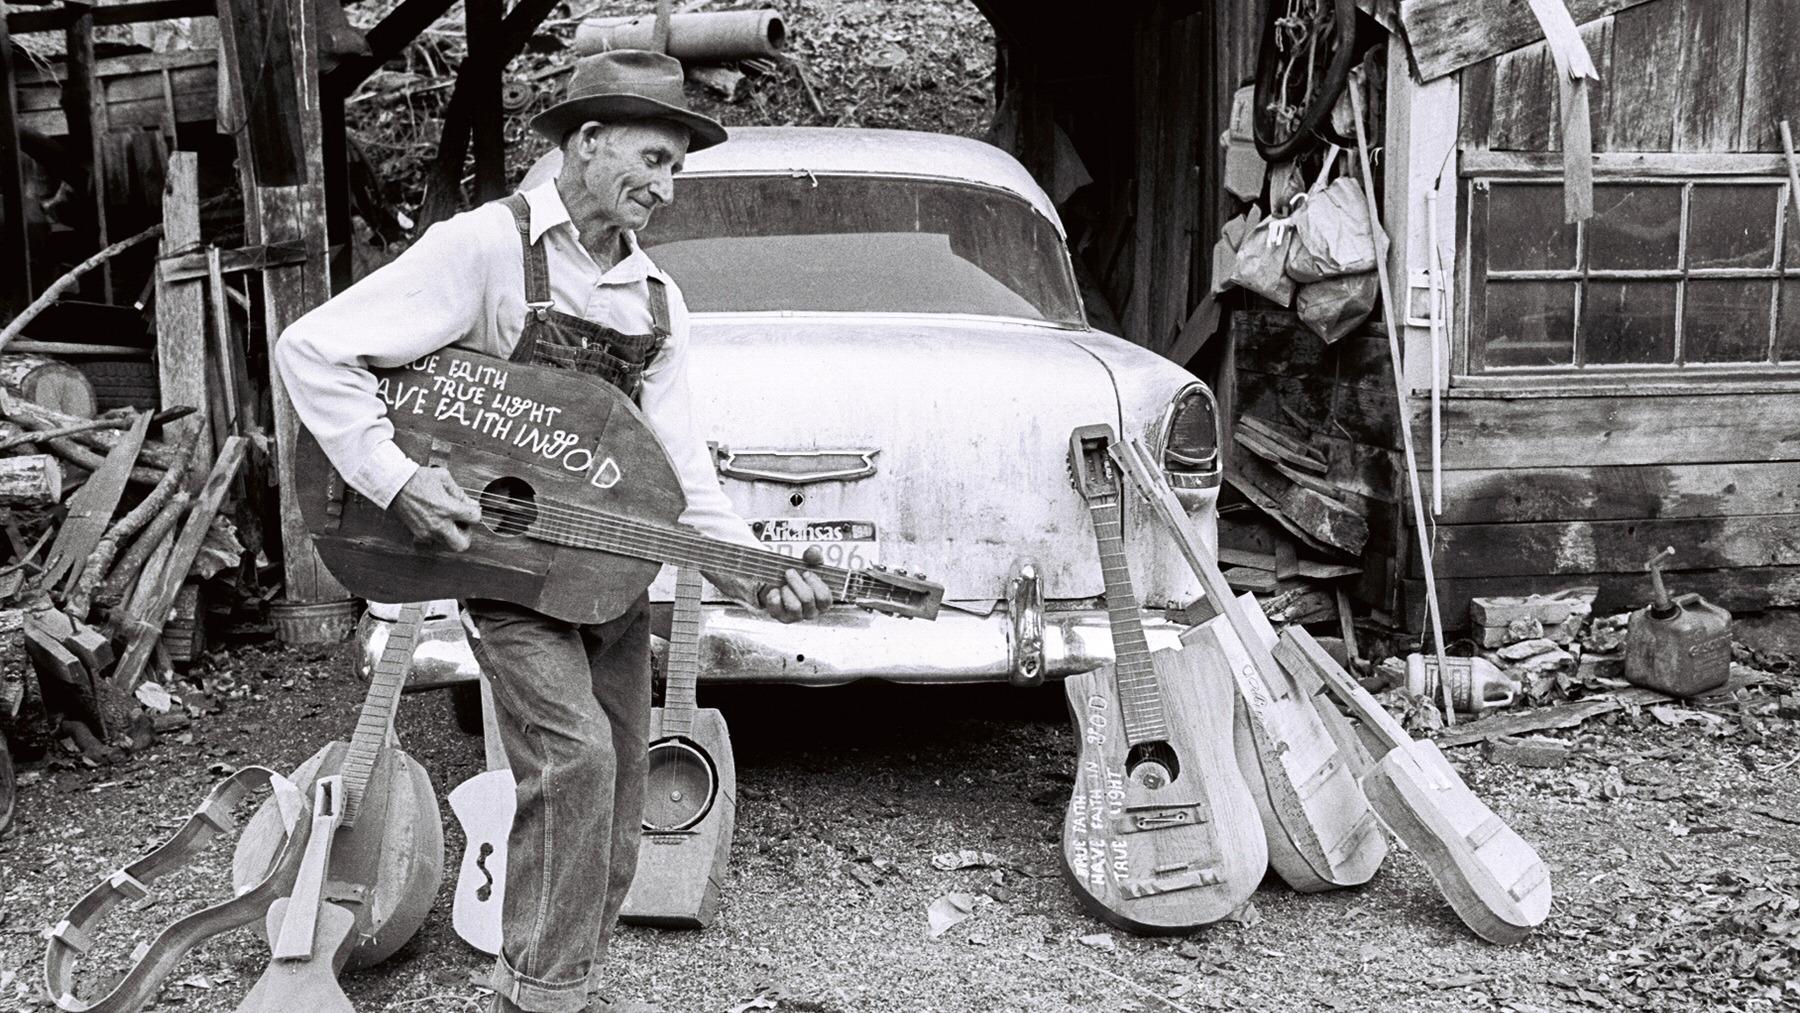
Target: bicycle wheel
1307 49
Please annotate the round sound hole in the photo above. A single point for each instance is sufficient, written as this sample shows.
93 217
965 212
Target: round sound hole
681 787
508 506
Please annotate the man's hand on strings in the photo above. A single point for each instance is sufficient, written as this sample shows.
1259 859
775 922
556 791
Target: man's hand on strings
435 510
799 595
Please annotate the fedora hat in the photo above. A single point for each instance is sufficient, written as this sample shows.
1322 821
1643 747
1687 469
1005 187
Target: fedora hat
626 84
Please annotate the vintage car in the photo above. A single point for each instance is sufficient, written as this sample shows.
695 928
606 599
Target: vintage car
889 351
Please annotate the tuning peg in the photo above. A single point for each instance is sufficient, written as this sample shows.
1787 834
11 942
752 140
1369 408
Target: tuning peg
901 571
881 566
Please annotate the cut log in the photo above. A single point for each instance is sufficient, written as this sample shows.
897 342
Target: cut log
48 382
34 480
15 664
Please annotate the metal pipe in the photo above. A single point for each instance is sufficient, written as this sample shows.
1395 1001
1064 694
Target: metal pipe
706 37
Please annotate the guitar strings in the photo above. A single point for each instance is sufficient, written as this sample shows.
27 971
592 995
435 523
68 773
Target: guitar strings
633 537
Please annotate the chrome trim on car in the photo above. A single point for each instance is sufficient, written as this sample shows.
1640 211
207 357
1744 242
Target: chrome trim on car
843 645
727 464
1025 605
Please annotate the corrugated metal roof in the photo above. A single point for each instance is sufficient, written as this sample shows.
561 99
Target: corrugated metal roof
871 151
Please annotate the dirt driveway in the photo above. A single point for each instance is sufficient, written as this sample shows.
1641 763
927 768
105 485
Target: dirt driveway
1672 846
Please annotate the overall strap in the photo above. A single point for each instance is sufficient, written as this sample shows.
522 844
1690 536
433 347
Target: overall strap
659 307
537 267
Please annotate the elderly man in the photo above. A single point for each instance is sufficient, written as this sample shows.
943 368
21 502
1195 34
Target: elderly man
552 276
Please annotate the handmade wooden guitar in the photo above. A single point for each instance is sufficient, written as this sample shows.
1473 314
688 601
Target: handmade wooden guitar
579 502
691 807
484 805
1321 832
388 856
1161 833
309 936
73 937
1493 880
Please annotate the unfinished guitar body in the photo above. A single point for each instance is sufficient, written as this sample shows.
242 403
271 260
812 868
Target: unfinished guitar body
290 986
385 868
1161 858
692 801
1322 834
1494 881
484 805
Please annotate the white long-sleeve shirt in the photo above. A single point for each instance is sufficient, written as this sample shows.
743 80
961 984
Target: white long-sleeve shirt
463 283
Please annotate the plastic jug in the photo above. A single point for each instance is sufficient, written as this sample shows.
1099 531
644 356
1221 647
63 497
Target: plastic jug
1476 684
1680 646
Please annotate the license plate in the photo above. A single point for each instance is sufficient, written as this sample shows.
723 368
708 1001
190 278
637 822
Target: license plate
848 544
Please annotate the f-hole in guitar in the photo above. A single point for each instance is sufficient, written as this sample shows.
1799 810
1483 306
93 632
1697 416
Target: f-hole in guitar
1152 765
509 506
682 786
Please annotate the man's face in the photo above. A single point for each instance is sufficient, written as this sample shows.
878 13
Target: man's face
628 170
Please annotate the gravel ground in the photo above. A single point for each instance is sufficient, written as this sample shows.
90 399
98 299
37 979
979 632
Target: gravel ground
1672 849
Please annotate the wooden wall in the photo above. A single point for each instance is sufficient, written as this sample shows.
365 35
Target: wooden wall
1576 482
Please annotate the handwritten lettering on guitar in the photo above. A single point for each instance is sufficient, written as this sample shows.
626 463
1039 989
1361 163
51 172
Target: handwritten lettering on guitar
474 396
1096 810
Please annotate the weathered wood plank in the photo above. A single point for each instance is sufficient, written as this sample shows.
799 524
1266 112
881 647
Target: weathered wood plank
181 310
1366 414
1475 126
1647 78
15 263
1573 548
1525 103
91 508
1447 35
1739 588
1277 343
1582 431
1712 81
1771 74
1503 495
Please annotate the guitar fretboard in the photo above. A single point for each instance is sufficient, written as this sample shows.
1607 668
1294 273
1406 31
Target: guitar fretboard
683 667
378 708
1134 676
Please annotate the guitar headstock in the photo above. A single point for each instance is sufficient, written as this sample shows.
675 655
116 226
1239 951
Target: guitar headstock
1134 459
912 596
1089 466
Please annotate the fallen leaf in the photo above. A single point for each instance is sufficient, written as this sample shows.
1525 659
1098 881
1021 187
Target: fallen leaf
947 911
1245 915
967 858
154 697
196 981
1099 941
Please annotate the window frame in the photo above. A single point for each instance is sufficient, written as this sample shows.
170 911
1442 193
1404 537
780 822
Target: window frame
1479 168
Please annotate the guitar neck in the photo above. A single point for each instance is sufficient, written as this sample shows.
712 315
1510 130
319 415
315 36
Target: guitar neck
1140 694
625 536
379 707
1299 645
683 667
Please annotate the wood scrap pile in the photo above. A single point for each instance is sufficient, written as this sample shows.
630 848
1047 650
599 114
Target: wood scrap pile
102 520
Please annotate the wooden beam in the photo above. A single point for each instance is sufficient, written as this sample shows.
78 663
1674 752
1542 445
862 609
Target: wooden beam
22 22
1574 548
260 46
1444 36
1620 492
388 39
181 309
487 116
195 265
15 245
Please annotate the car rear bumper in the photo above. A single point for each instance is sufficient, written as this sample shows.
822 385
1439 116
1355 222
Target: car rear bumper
844 645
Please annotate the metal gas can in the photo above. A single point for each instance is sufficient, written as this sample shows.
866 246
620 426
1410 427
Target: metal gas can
1680 646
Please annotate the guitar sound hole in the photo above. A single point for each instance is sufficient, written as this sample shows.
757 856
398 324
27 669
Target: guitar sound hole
1152 764
681 784
509 506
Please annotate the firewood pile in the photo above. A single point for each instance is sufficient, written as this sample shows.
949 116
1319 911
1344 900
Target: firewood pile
105 518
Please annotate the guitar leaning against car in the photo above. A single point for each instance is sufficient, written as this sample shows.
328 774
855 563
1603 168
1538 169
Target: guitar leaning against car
578 500
1161 833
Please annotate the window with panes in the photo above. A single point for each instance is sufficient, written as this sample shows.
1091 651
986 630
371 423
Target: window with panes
1671 274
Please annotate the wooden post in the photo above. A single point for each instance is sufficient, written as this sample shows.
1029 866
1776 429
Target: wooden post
181 310
15 258
80 99
482 18
284 204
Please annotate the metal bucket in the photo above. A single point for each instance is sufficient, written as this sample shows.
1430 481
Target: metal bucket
314 624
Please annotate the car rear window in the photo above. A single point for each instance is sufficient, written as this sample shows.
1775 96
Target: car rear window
859 244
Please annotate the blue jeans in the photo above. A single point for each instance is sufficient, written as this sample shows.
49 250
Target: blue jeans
573 707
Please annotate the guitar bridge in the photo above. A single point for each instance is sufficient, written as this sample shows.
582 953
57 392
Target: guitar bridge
1141 819
1170 879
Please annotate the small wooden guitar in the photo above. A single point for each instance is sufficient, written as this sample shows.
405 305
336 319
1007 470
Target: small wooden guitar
691 806
309 937
1161 833
1321 832
484 805
1493 880
388 857
579 501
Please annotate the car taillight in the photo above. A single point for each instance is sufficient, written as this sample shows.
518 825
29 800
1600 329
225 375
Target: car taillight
1191 439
